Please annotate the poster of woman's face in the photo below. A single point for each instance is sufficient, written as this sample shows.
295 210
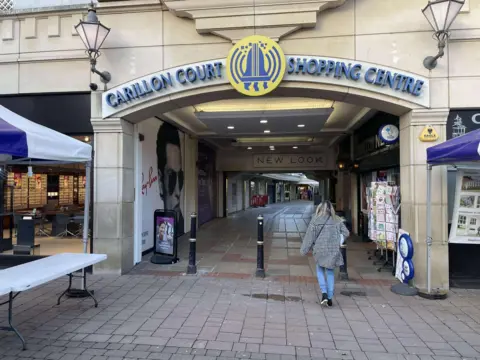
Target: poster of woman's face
165 235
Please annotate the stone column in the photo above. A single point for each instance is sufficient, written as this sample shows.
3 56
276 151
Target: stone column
113 191
413 173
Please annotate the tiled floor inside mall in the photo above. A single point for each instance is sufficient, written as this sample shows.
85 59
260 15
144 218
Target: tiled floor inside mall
224 313
227 248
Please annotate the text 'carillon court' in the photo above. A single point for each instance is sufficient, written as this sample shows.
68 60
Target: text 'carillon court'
355 72
165 80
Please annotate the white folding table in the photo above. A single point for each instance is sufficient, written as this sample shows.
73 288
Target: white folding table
38 272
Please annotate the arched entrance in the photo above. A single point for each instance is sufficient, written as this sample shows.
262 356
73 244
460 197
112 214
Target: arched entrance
116 111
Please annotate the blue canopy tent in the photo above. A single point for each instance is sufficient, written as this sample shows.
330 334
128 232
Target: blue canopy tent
462 151
28 143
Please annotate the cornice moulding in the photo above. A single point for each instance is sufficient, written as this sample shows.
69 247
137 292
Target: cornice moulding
236 19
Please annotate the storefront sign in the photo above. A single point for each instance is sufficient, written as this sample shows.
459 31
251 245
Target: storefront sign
466 212
428 134
389 134
256 66
460 122
301 161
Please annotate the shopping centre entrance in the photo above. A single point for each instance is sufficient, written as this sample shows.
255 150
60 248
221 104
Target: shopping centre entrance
195 130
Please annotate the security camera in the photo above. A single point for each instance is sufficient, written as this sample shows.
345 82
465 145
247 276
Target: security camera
93 86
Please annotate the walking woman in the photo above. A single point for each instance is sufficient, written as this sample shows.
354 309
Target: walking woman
324 235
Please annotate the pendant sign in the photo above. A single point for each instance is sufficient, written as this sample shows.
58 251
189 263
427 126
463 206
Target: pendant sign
389 134
428 134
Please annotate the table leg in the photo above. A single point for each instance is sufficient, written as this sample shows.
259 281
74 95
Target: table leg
11 297
70 276
80 293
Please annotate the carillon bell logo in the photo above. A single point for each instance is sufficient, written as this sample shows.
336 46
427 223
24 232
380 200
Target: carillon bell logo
256 65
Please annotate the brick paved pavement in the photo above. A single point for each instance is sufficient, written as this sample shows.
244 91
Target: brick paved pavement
175 317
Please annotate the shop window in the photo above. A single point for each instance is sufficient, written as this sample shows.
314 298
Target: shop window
462 220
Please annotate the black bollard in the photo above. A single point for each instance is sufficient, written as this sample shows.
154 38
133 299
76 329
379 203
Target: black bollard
192 257
260 273
343 269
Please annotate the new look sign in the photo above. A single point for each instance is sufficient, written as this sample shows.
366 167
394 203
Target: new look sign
289 161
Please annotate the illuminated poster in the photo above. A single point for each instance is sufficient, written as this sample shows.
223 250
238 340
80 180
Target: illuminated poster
17 180
466 213
164 235
65 181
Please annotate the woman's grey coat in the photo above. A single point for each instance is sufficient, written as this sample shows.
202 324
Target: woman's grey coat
325 242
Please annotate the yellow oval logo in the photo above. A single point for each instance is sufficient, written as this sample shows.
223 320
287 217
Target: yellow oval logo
256 65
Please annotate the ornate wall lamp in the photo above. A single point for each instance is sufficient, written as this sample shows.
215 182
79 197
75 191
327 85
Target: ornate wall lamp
93 33
441 15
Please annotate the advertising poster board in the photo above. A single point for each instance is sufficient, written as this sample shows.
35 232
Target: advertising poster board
466 212
166 235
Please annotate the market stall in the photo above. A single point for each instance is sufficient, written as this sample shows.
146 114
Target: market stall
27 143
462 152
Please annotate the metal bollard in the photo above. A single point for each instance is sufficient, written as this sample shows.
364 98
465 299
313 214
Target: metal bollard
343 269
192 256
260 273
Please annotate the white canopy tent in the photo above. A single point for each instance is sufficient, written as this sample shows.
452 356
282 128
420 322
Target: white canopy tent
25 142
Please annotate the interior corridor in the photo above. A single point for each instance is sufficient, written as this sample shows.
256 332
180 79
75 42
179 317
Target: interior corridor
227 248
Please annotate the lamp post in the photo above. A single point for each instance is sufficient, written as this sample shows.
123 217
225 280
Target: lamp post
93 33
440 14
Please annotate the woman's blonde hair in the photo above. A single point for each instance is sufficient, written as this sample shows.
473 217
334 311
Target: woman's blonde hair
326 208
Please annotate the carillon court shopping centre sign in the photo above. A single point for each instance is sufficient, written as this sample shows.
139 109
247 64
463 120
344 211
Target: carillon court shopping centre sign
256 66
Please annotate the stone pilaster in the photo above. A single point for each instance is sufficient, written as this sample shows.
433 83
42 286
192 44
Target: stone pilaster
113 191
413 172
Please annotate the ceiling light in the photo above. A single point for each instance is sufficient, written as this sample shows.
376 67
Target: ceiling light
301 125
264 104
266 131
272 149
230 127
263 121
249 148
295 147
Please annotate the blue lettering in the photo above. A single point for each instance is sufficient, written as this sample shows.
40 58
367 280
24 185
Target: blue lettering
156 83
191 75
355 72
380 77
111 100
409 85
370 72
167 80
120 98
146 87
138 90
418 88
128 94
322 65
390 79
401 81
312 66
218 66
210 71
301 66
291 65
181 80
338 70
201 76
330 67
